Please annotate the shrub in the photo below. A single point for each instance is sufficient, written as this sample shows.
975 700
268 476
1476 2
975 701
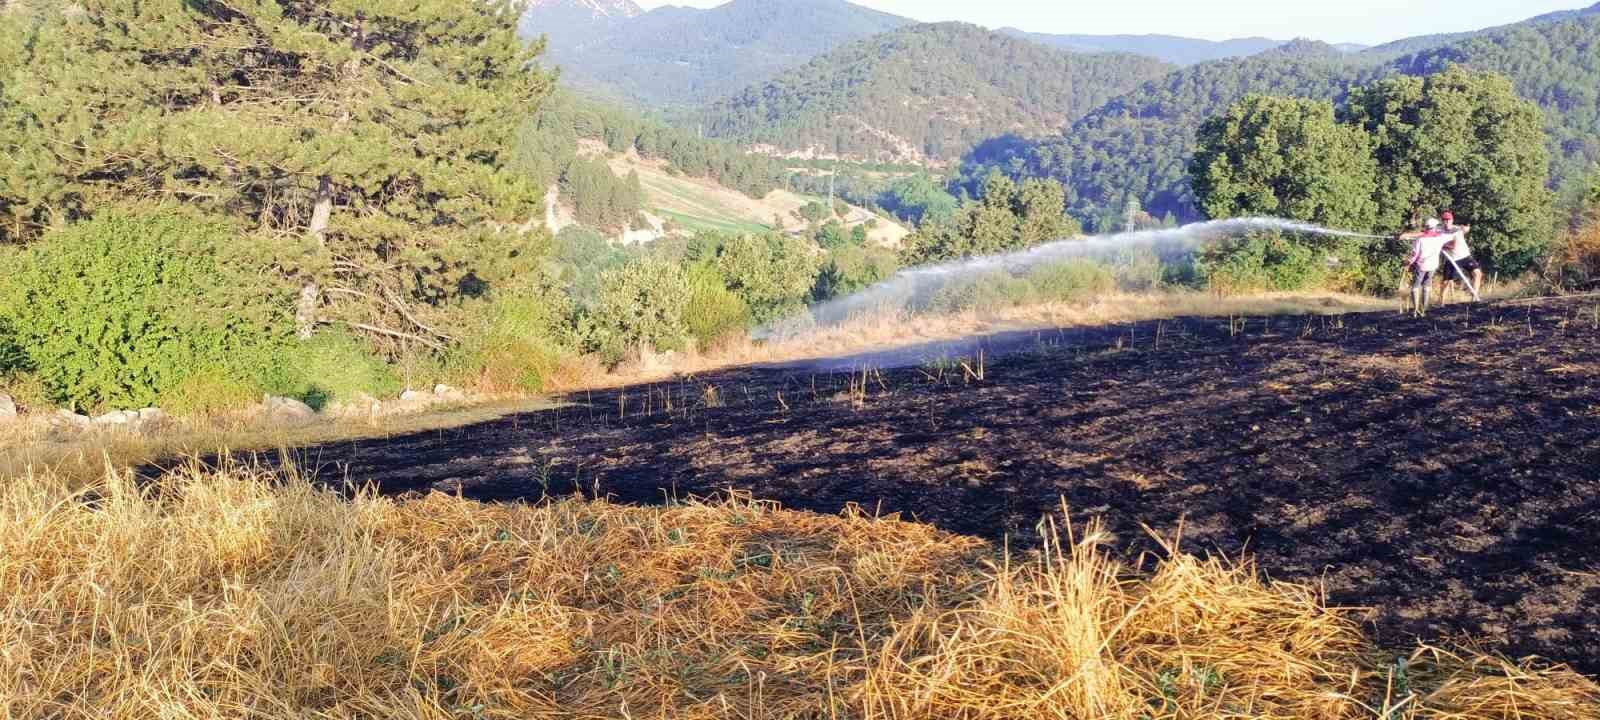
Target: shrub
1072 280
11 356
1268 261
852 269
713 312
1139 270
772 273
527 331
995 291
208 392
640 304
118 310
333 365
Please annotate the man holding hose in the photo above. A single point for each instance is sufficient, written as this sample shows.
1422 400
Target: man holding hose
1424 263
1460 255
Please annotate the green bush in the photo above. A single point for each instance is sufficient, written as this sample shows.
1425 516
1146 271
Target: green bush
527 331
713 312
120 309
995 291
332 366
1139 270
11 356
852 269
640 304
774 274
1072 280
1269 261
207 392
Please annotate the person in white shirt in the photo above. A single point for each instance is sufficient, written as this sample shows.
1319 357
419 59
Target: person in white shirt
1456 249
1426 250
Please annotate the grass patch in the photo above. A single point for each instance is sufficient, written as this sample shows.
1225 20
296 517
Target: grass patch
223 594
702 224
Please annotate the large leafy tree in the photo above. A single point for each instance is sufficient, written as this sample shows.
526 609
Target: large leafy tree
1006 217
360 141
1285 157
1462 141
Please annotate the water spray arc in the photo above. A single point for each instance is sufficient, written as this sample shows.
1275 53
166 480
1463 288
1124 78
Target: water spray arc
909 283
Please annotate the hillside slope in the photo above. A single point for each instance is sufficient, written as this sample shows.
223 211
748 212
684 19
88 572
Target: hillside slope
926 93
1167 48
1135 147
676 56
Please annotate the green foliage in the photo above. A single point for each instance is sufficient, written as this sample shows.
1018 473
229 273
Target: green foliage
1137 145
1006 218
1550 63
641 304
1284 157
333 365
917 199
988 293
1465 142
579 256
854 268
833 235
814 212
599 198
1071 281
773 274
713 312
403 113
925 92
1262 261
118 310
525 332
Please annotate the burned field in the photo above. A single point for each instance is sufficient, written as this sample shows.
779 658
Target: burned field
1444 472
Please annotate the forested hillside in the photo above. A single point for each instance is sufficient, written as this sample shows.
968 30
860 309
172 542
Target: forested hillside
678 56
1556 64
1167 48
925 93
1134 148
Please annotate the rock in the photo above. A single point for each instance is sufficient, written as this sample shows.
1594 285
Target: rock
116 418
8 408
71 419
152 416
410 395
445 392
288 409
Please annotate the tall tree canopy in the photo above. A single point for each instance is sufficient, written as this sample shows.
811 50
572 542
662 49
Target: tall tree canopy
1285 157
361 140
1462 141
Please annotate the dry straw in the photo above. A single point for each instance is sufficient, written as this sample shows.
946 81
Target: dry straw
230 595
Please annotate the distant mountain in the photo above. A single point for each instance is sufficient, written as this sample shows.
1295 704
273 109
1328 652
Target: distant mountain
925 93
1400 48
564 18
1176 50
677 56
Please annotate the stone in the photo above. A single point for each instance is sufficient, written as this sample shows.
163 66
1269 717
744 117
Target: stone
71 419
8 408
410 395
115 417
152 416
290 409
442 390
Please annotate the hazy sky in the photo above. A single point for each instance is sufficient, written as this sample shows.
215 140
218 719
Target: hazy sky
1363 21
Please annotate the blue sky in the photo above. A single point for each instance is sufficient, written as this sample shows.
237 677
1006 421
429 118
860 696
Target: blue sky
1363 21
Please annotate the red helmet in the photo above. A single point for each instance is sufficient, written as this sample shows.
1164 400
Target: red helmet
1447 216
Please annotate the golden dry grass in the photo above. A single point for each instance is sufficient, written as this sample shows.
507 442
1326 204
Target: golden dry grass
223 595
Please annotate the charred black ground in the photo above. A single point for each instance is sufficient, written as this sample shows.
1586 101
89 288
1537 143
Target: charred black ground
1444 471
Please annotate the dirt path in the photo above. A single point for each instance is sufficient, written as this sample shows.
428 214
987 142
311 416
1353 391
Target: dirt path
1445 472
